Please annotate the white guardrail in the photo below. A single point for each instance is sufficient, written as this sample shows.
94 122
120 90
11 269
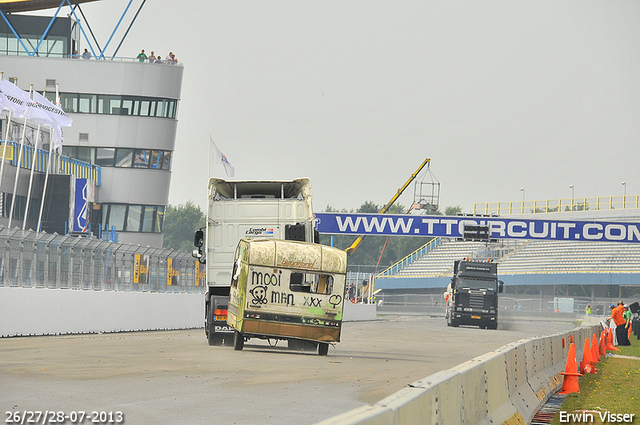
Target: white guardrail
505 386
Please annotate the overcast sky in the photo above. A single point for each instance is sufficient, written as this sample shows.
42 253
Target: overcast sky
501 95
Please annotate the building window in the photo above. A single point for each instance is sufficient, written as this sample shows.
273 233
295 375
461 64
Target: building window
124 157
141 158
166 161
85 154
133 218
155 159
149 215
105 156
87 103
68 102
79 153
116 216
84 103
144 108
159 223
119 157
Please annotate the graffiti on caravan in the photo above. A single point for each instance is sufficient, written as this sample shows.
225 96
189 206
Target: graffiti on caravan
500 228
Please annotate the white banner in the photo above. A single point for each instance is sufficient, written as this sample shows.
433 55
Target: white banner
13 98
55 112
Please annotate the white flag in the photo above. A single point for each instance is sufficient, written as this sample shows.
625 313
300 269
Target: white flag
38 115
13 98
219 158
57 139
55 112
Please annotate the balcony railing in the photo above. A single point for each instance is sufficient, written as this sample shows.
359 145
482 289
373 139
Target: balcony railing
159 61
60 164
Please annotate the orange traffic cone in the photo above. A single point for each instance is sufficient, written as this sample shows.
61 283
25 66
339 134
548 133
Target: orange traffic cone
570 382
610 345
595 354
586 365
603 350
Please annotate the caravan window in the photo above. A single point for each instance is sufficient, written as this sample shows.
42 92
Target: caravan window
311 282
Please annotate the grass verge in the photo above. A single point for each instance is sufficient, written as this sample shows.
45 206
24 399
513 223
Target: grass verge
614 389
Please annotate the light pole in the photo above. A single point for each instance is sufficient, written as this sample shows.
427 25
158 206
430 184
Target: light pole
522 190
572 192
624 197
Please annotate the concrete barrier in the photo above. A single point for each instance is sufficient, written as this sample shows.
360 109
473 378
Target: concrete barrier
31 311
426 401
358 312
42 311
505 386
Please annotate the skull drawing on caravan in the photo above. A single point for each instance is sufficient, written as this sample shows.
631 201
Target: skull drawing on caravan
259 294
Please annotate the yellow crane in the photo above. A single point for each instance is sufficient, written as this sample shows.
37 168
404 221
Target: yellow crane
384 209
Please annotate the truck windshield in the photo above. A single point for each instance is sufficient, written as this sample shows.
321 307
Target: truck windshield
477 283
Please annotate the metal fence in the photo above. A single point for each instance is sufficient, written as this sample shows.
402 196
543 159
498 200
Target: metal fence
31 259
558 205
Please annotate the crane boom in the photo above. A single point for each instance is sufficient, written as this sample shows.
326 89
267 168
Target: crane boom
384 209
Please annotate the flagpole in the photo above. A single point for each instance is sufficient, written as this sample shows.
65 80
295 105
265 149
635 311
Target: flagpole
46 178
15 183
33 167
49 163
4 150
209 165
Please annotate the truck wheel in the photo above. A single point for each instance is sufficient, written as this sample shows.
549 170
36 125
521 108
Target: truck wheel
238 341
323 348
228 340
293 344
309 346
214 338
454 323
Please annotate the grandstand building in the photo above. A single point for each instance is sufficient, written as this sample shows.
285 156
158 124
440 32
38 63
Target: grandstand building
537 273
124 121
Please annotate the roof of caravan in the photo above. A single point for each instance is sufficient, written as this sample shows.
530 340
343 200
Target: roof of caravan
292 188
28 5
296 255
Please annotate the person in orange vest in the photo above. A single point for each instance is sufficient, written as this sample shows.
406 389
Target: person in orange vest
618 318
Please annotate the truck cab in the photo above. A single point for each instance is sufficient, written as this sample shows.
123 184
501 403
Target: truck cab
472 296
274 209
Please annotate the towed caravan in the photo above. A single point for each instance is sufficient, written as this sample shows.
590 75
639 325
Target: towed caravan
287 290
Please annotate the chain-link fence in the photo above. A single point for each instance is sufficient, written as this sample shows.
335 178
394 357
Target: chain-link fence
31 259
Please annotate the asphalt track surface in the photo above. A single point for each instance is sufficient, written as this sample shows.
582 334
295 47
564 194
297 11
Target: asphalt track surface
174 377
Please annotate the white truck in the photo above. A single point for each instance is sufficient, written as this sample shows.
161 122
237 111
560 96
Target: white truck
240 210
